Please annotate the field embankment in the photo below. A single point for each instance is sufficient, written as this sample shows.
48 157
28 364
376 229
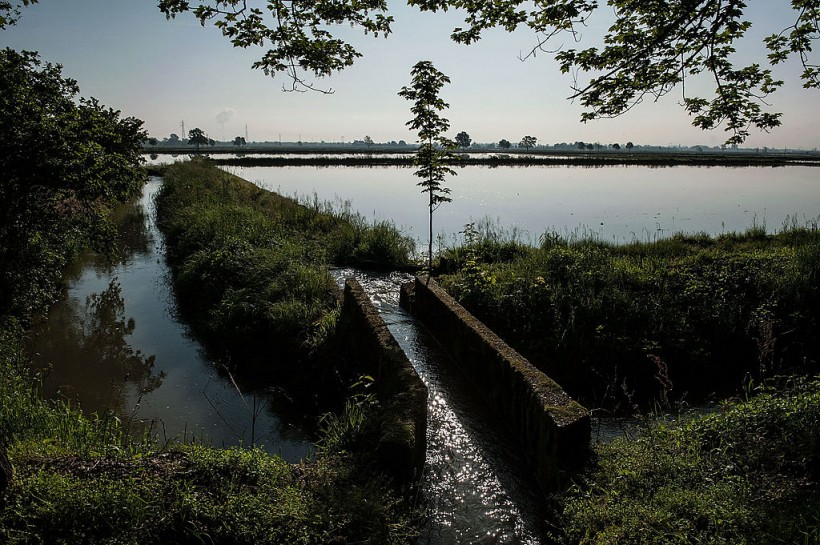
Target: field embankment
250 266
645 323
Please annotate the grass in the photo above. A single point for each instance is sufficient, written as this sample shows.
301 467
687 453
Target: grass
78 478
642 323
250 266
744 474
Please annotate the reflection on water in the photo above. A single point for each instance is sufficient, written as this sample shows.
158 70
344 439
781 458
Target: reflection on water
113 343
96 334
477 484
614 204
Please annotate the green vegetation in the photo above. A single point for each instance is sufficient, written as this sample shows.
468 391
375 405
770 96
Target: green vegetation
648 322
249 266
747 473
80 478
69 477
66 163
435 149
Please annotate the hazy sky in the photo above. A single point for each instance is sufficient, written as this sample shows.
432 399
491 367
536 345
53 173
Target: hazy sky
127 55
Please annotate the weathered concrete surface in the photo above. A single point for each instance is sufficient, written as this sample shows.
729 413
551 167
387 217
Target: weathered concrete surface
402 441
554 429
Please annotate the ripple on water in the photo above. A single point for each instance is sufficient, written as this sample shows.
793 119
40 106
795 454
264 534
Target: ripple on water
476 482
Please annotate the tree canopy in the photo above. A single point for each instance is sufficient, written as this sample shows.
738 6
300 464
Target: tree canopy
652 47
65 163
295 32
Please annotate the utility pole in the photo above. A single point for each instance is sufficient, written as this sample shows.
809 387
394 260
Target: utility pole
246 133
182 136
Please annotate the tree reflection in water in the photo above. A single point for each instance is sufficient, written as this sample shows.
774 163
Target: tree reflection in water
97 363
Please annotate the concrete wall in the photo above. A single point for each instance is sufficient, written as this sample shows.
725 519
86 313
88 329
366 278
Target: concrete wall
402 441
554 429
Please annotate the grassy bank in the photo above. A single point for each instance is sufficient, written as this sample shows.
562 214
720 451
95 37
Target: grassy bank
69 477
747 473
619 325
250 266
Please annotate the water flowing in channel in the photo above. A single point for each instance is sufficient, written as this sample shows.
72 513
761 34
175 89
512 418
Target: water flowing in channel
477 482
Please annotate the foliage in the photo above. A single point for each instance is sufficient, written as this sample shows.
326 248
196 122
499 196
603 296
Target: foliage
197 138
504 144
528 142
297 33
652 47
463 140
649 322
435 149
10 12
249 266
744 474
65 165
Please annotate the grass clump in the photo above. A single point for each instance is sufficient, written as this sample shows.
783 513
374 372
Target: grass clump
745 474
649 322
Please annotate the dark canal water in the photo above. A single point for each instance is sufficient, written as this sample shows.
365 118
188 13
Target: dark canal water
114 343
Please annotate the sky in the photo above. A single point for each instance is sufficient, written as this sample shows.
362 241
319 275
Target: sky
125 53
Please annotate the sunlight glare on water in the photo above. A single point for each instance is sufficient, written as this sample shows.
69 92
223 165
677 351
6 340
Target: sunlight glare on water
476 483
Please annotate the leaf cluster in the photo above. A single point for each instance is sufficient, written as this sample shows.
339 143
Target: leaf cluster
654 47
435 148
296 33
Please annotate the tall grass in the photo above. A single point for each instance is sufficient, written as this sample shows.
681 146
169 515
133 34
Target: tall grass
250 266
643 322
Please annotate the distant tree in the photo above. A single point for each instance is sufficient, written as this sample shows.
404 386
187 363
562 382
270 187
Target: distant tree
527 142
616 146
630 145
174 139
581 145
153 141
368 141
211 142
590 147
504 144
237 141
463 140
197 138
435 149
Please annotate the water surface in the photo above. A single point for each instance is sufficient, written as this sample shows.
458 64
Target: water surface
114 343
613 203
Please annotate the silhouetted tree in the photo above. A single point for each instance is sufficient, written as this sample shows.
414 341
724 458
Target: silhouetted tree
616 146
435 149
463 140
630 145
197 138
504 144
528 142
368 141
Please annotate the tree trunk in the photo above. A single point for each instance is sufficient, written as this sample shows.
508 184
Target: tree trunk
430 238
